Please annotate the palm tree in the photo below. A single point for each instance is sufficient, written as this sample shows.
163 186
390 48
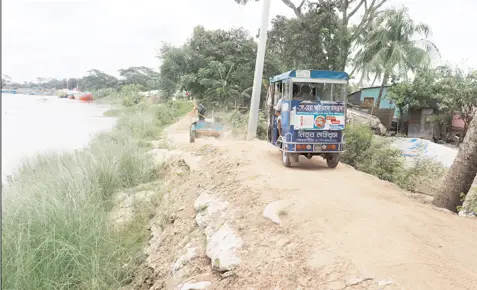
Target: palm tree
390 49
221 90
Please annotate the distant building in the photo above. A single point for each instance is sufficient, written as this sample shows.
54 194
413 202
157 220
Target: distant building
366 98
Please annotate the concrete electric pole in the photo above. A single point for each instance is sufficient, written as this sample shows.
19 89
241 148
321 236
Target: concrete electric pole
257 79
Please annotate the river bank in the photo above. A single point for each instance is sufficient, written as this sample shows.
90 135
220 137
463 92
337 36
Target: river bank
56 232
34 124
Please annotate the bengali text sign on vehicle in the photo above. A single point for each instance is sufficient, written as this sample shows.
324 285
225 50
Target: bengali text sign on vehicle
319 117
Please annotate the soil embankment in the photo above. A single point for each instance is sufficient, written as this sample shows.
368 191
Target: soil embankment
336 228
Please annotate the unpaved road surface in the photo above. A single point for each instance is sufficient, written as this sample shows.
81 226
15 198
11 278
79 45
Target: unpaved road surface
340 224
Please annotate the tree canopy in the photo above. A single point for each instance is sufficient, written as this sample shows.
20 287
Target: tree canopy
341 14
449 90
390 49
214 65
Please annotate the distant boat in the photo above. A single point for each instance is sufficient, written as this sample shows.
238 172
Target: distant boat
82 96
86 97
9 91
62 93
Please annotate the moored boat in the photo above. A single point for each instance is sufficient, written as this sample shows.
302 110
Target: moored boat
86 97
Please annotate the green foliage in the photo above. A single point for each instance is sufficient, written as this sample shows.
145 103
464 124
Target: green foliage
214 65
103 93
307 42
170 113
216 78
420 93
376 157
143 76
130 96
390 49
448 90
422 175
97 80
368 155
457 92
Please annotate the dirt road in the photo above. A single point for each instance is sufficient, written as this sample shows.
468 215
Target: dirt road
340 225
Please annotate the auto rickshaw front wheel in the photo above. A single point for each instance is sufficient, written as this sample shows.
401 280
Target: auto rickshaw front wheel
332 160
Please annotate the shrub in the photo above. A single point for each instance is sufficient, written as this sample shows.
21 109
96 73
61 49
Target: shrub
422 175
358 139
376 157
371 156
130 96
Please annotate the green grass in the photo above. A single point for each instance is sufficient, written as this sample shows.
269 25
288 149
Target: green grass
55 229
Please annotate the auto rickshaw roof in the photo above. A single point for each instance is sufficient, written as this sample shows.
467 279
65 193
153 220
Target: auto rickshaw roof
311 74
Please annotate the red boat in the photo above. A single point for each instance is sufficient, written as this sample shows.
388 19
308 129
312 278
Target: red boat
88 97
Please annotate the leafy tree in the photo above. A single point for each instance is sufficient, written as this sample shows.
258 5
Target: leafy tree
390 50
203 67
344 11
141 75
216 78
450 91
97 79
457 92
307 42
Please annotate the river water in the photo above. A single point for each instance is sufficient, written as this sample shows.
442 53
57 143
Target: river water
38 124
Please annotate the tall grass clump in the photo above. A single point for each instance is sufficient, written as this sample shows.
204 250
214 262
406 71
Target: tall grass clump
56 233
376 157
55 230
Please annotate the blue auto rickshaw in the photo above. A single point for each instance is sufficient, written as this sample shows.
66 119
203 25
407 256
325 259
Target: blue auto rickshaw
307 114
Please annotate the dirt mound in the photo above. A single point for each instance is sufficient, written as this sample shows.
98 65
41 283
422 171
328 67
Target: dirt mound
338 229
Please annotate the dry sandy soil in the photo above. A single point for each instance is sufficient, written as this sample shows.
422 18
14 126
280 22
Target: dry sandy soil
341 228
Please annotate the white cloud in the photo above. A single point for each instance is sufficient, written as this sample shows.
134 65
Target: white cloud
65 38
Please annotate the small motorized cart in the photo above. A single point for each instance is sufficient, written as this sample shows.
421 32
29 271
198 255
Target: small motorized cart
207 127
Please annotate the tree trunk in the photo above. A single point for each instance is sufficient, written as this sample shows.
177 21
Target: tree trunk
461 175
381 90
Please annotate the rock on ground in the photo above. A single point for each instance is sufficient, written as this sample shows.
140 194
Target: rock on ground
222 249
196 286
274 209
222 243
190 254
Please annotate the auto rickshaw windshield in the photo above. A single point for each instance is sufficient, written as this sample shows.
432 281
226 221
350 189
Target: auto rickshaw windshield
319 92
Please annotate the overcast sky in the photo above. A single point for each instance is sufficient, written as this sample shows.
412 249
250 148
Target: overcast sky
66 38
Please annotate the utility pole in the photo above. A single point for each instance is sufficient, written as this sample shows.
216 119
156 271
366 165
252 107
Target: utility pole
257 79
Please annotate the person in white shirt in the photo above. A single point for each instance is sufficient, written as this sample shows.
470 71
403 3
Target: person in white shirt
278 113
